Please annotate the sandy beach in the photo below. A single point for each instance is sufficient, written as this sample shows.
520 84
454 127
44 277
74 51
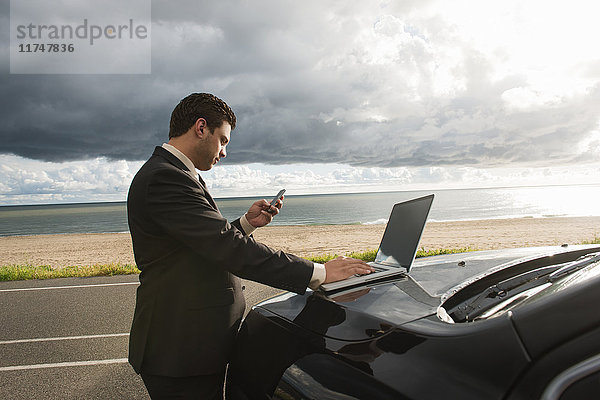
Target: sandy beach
89 249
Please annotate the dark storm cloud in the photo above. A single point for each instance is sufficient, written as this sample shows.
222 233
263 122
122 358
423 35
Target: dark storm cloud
310 83
56 118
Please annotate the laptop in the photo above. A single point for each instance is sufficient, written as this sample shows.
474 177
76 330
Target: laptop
398 245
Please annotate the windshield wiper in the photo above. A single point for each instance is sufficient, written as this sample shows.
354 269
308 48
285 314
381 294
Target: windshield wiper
499 291
576 265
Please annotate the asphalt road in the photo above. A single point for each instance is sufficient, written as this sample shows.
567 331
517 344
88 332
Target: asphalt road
67 338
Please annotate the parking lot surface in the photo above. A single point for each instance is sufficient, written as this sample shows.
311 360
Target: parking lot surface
67 338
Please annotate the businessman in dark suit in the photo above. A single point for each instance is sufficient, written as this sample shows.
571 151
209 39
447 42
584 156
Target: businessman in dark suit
189 303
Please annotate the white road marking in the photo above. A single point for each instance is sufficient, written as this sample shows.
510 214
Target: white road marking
62 338
63 364
69 287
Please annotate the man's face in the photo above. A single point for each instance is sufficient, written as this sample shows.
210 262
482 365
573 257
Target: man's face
212 147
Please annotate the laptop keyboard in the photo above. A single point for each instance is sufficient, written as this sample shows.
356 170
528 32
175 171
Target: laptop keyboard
375 267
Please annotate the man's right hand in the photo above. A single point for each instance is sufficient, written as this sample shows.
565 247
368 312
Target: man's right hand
344 267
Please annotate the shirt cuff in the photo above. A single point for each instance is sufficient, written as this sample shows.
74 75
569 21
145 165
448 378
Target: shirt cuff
246 226
318 276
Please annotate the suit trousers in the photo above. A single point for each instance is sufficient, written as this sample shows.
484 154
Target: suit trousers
207 387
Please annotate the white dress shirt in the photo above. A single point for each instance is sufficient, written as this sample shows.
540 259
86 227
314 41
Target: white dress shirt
319 273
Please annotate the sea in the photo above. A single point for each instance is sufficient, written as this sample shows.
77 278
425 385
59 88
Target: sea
326 209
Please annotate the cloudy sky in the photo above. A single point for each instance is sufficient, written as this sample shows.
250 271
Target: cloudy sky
331 96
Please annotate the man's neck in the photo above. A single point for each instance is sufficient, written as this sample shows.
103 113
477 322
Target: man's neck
183 145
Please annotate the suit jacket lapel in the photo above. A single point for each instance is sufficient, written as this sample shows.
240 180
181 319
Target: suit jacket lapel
159 151
208 196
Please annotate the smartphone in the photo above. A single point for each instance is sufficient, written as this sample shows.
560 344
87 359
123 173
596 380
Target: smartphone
274 201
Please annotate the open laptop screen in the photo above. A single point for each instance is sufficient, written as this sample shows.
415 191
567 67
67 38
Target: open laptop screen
403 232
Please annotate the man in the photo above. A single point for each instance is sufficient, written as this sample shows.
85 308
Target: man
190 303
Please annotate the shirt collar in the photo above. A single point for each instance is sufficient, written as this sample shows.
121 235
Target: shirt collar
183 158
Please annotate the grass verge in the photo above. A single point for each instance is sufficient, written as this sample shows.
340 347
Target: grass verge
369 255
595 240
25 272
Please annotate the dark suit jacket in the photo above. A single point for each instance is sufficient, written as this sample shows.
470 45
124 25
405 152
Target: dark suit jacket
189 303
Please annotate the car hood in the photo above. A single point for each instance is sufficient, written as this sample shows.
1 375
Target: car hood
351 314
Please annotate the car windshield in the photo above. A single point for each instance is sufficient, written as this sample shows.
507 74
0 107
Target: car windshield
511 292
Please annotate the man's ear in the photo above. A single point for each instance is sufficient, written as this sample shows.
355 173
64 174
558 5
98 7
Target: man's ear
200 127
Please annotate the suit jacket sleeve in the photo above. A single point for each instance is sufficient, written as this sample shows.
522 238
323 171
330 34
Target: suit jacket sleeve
180 207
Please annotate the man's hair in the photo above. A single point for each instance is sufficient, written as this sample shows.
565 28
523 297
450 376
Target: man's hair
200 105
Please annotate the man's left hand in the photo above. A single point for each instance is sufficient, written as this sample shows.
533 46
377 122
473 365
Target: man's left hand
261 212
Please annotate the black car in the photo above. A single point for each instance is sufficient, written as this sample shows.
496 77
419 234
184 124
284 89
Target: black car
502 324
